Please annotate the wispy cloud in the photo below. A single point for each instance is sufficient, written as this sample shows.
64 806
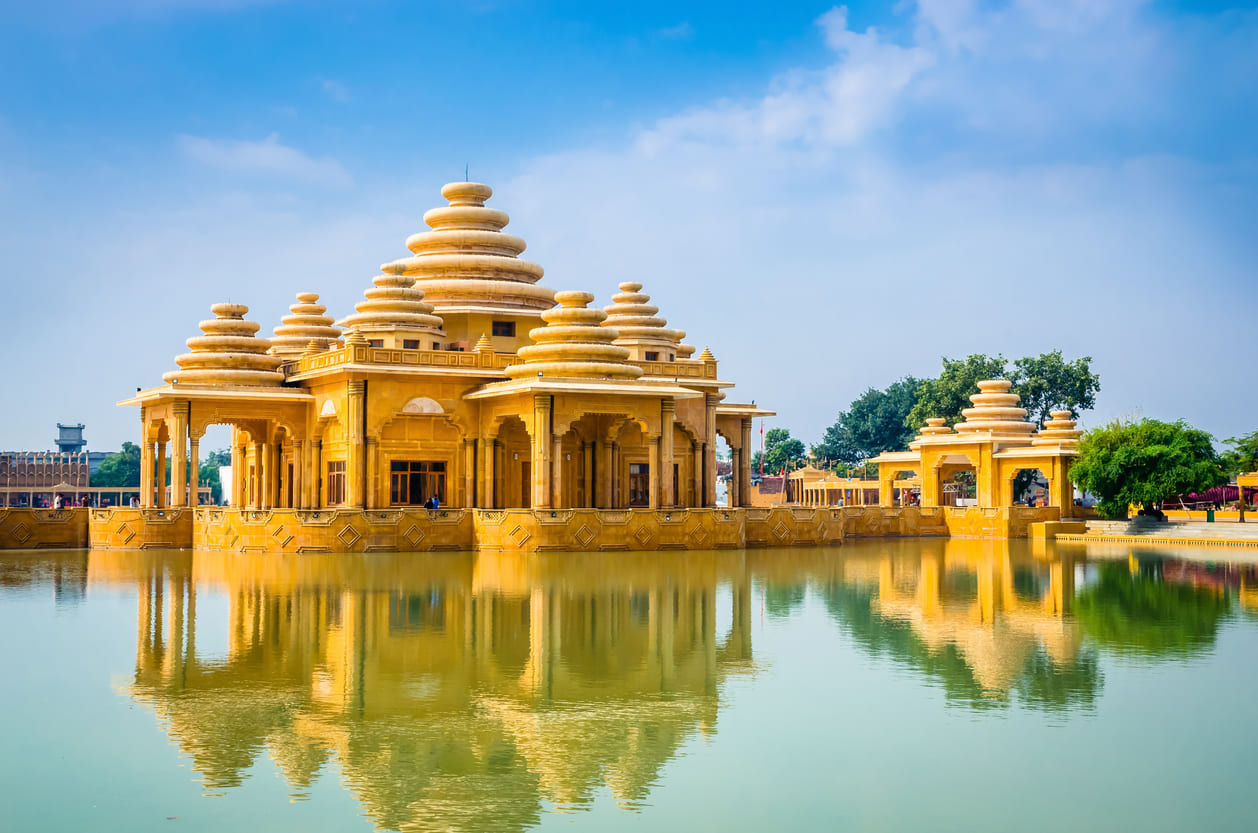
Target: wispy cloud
336 91
681 31
267 158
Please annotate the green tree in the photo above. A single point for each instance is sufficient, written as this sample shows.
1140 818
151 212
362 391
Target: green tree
781 450
1048 383
208 473
120 469
948 394
1243 455
1142 613
1144 463
872 424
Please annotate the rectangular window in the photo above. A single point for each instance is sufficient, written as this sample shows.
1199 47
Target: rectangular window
504 329
652 357
639 484
336 482
410 344
413 482
436 345
376 342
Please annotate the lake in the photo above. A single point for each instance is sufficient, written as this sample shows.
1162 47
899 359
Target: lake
912 684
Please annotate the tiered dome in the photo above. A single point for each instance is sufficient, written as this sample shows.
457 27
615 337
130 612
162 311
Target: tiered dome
574 344
394 305
306 322
228 353
934 427
1059 431
634 317
467 263
995 411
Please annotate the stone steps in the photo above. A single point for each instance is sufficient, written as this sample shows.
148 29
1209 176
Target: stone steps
1147 528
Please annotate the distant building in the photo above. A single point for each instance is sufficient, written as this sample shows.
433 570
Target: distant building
32 478
70 438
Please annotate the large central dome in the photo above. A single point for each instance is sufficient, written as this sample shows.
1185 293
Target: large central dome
467 263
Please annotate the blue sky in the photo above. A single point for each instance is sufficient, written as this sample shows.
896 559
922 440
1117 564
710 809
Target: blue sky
831 197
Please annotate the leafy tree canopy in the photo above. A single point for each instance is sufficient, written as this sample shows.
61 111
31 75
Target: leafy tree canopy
874 423
1144 463
949 393
781 450
1046 383
121 469
1243 455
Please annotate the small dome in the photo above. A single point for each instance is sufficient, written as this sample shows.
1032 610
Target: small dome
228 354
574 344
934 427
1058 431
634 317
307 322
466 263
995 411
394 304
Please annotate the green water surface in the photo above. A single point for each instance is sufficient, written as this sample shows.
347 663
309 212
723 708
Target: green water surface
916 685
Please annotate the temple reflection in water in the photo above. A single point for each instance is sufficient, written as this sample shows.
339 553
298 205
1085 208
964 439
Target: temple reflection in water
470 692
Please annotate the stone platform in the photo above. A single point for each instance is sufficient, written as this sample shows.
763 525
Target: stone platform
506 530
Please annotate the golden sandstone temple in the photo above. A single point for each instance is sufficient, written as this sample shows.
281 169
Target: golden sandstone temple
534 420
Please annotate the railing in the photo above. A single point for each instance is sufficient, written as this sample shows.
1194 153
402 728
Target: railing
357 354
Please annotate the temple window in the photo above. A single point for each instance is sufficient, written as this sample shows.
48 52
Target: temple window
410 344
336 482
652 357
436 345
415 481
639 484
376 342
504 329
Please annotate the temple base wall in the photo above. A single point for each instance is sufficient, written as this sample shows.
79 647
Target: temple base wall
140 529
521 530
22 528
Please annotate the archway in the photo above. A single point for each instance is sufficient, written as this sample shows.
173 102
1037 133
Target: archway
1029 487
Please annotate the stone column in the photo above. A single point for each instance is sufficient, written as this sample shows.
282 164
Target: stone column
541 451
179 456
194 470
653 481
743 472
603 483
665 474
487 473
469 473
316 474
373 499
264 475
587 460
159 474
709 449
556 473
696 472
146 473
735 478
355 465
299 474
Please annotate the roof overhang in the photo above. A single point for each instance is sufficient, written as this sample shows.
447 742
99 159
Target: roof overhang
593 387
235 392
733 409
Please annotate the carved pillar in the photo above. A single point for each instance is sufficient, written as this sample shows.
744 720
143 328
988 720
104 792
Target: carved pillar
556 473
146 473
541 446
469 473
735 477
355 467
665 468
264 475
316 474
179 456
696 473
653 482
299 474
603 483
487 473
159 474
743 472
194 470
709 450
373 499
587 459
613 471
500 492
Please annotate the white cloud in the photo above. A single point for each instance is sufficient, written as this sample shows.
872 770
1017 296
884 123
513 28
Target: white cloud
681 31
336 91
265 158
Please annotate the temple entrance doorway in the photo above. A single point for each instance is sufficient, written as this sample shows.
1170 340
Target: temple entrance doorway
639 484
1030 488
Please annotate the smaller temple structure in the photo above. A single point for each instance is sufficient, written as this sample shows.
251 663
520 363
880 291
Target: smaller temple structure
994 443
